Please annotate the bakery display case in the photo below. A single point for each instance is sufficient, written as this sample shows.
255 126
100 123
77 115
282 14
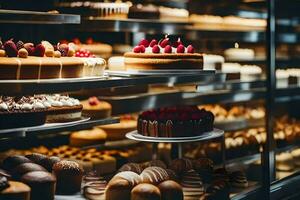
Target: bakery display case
111 100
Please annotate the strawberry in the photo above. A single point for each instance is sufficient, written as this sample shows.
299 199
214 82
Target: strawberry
164 42
180 49
143 49
39 50
153 42
10 49
190 49
155 49
177 43
30 48
168 49
93 101
144 42
137 49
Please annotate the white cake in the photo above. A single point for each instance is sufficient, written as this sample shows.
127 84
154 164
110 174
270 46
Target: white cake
212 62
231 68
250 73
239 54
116 63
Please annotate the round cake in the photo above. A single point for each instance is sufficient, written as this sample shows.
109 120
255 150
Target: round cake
95 108
175 122
163 55
239 54
88 137
140 11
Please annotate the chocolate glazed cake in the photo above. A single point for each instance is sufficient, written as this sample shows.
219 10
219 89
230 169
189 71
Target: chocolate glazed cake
175 122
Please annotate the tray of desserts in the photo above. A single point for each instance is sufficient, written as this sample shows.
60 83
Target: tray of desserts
215 133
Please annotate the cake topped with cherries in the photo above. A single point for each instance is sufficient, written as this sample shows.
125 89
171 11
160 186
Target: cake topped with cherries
175 122
163 54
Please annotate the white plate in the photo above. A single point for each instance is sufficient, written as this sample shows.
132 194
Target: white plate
215 133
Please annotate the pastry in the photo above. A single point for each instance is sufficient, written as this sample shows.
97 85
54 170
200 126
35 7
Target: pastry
118 189
296 156
282 78
170 190
3 183
93 48
42 184
103 164
181 165
132 177
49 162
251 73
11 162
154 175
219 189
94 190
116 63
15 112
153 55
239 53
145 191
68 175
232 71
16 191
36 158
95 108
134 167
173 14
175 122
119 130
117 10
62 108
204 166
88 137
238 179
140 11
212 62
24 168
284 162
192 184
155 163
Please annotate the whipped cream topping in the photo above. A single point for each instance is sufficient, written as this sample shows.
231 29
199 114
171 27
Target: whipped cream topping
61 100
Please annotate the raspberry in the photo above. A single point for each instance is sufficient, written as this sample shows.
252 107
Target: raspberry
77 54
180 49
20 45
168 49
39 50
190 49
89 41
137 49
155 49
144 42
93 101
30 48
164 42
177 43
153 42
143 49
10 49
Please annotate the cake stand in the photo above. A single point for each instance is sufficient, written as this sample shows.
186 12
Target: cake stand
214 134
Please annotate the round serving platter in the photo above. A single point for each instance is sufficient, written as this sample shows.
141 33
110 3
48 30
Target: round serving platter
215 133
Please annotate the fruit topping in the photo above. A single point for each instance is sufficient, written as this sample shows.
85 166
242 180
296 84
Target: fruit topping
93 101
144 42
190 49
1 44
63 49
155 49
71 52
164 42
23 53
20 45
180 49
143 49
90 41
137 49
39 50
153 42
2 53
47 45
177 43
30 48
49 53
57 54
168 49
10 48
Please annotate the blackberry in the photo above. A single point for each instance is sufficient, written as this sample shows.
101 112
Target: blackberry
64 52
20 44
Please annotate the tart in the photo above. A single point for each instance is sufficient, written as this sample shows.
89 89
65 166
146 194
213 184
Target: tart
95 108
87 137
163 55
175 122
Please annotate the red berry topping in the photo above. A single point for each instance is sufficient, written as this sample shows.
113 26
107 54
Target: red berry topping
164 42
153 42
10 49
144 42
137 49
77 54
143 49
30 48
90 41
190 49
63 49
177 43
168 49
76 41
155 49
180 49
39 50
93 101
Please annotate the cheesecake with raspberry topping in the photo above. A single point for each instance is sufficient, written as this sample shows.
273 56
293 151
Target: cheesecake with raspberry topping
163 55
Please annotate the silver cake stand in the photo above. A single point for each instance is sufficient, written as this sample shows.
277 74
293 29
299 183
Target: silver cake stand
214 134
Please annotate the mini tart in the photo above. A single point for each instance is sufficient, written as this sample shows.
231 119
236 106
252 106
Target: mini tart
148 61
119 130
102 109
40 68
